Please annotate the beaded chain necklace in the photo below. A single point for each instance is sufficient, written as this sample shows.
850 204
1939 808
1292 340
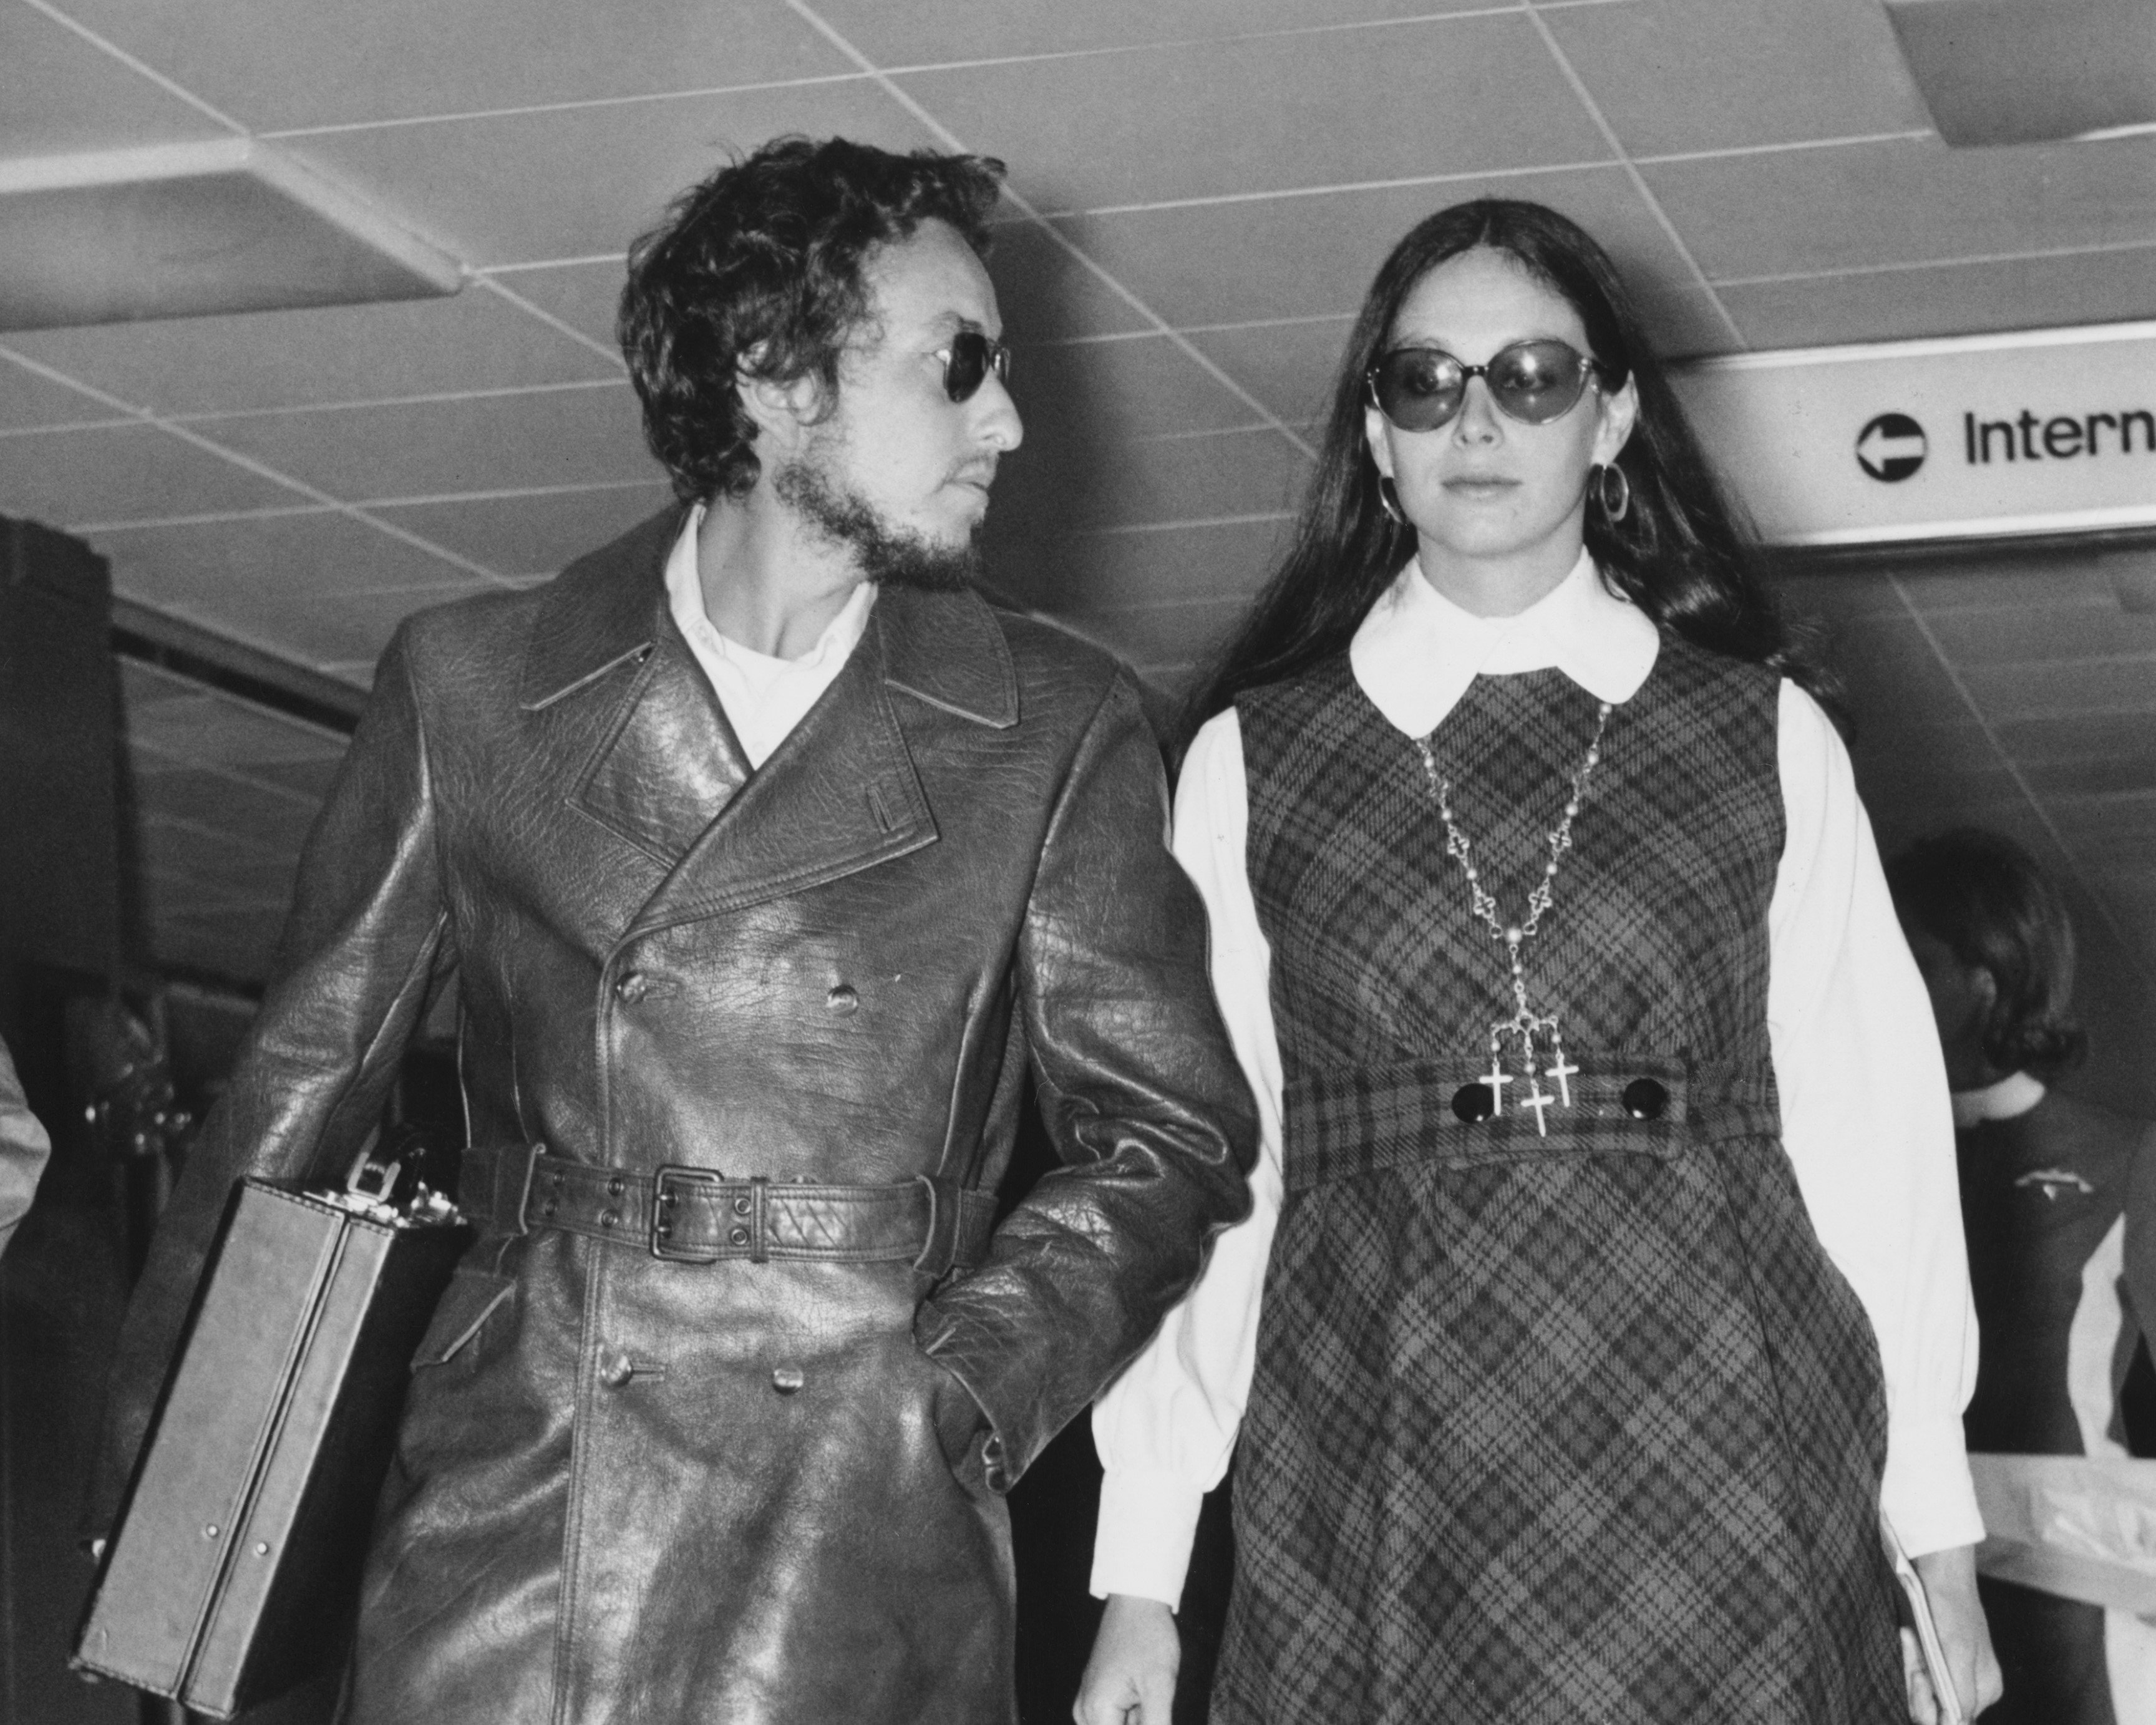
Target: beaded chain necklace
1526 1025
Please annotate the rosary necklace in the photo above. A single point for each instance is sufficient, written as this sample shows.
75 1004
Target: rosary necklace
1525 1025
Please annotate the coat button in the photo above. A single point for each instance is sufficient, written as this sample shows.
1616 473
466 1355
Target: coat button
617 1186
616 1371
787 1379
737 1237
742 1205
1644 1099
1474 1103
842 1000
632 988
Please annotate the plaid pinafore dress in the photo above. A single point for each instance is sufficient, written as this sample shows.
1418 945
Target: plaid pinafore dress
1575 1428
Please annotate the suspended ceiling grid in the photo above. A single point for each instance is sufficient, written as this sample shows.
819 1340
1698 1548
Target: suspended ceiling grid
1200 190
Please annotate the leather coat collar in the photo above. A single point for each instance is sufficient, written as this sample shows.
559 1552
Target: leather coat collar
945 648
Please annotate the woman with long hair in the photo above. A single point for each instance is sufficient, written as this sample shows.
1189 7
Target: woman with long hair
1606 1280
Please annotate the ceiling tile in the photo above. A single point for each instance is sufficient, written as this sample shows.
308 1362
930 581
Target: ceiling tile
1046 294
2120 739
207 798
229 562
320 628
310 778
1948 299
926 35
215 729
1091 574
321 65
1167 635
1838 596
275 359
2019 637
1288 366
2025 692
1781 73
1996 583
26 399
1779 211
420 449
1096 393
65 94
123 472
1124 481
536 535
1303 256
1268 113
584 296
578 182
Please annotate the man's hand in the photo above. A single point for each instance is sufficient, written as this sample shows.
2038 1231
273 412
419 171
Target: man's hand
1949 1579
1129 1680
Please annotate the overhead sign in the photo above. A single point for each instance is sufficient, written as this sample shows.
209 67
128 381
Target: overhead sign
2040 431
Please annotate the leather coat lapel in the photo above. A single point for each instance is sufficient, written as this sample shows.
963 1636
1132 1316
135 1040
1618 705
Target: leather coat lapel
840 794
670 763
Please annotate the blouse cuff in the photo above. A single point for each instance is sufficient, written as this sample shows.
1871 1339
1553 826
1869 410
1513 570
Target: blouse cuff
1926 1492
1142 1547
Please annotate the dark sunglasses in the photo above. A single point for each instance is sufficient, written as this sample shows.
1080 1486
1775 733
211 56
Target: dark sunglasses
1421 388
967 361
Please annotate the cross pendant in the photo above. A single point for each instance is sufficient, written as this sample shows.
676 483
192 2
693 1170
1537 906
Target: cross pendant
1497 1078
1562 1071
1539 1100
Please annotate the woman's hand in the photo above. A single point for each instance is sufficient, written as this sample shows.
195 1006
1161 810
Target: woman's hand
1129 1680
1949 1579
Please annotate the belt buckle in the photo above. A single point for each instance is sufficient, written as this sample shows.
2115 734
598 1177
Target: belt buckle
663 1201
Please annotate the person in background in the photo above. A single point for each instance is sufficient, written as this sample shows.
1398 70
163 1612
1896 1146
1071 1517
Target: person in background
2058 1200
24 1149
1606 1154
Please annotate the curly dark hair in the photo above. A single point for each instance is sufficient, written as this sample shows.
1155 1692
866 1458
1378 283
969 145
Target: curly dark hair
1982 896
1682 555
759 267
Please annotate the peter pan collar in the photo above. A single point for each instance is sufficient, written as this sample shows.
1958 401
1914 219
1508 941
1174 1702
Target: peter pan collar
1416 651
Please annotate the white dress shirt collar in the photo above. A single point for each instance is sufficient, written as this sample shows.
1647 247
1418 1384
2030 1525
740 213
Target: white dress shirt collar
2015 1094
764 697
1417 651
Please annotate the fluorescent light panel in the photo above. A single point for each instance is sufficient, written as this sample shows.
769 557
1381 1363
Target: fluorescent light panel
2030 71
185 229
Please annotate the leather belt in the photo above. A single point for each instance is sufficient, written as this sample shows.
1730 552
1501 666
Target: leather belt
696 1215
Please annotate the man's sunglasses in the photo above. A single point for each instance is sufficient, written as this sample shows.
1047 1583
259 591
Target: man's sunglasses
1421 388
967 361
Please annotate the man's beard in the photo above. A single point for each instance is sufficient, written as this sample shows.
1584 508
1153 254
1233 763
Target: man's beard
893 556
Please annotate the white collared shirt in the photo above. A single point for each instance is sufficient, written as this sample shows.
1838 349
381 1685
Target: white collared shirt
2013 1096
764 697
1862 1083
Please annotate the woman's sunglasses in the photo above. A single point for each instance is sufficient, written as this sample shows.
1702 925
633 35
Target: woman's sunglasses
967 361
1421 388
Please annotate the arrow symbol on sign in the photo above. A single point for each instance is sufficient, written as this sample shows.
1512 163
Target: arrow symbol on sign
1879 448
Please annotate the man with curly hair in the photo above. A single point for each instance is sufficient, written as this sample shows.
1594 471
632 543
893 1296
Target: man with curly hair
770 860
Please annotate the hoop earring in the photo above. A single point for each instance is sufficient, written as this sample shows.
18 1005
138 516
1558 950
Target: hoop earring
1388 500
1615 498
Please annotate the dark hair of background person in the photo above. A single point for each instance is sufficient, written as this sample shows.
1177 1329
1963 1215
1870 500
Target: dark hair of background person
758 269
1679 554
1984 897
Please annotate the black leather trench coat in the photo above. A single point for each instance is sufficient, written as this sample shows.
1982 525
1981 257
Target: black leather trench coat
630 1490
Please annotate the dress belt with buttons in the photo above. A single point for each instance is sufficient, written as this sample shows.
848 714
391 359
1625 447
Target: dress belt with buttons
696 1215
1449 1113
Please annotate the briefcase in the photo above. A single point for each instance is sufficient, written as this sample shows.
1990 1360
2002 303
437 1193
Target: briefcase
233 1570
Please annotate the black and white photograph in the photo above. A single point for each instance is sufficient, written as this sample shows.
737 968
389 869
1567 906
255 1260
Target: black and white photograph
1060 862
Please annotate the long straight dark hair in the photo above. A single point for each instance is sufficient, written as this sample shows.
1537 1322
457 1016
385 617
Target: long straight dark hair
1679 554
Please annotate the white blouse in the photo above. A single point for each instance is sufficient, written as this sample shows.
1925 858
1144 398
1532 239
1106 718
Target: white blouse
1865 1116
